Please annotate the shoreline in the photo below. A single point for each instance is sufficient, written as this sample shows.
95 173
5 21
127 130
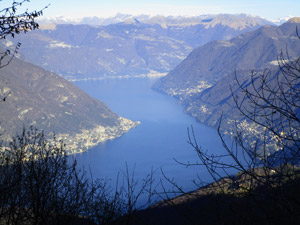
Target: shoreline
88 138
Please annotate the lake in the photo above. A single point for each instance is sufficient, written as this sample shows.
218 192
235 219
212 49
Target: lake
154 144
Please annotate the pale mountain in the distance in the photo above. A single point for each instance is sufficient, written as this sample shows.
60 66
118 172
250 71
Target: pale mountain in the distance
281 20
135 47
92 20
119 17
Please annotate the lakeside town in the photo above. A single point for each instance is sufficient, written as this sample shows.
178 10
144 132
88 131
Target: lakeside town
88 138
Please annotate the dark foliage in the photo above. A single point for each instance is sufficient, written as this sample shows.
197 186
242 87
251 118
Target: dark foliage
40 184
12 22
261 207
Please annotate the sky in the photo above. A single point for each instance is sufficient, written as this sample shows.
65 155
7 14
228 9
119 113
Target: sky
269 9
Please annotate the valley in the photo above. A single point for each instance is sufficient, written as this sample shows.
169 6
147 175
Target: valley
184 118
142 47
129 48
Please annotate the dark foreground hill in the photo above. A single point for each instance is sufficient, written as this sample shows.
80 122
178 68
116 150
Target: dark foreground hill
228 201
47 101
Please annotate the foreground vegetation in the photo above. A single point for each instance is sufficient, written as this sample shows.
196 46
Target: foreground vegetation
266 188
41 184
229 201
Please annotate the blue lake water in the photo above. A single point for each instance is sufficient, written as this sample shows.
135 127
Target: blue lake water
156 142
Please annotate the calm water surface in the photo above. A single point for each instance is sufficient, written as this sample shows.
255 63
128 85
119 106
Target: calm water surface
161 137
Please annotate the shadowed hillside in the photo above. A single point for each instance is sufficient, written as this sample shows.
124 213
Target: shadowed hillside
47 101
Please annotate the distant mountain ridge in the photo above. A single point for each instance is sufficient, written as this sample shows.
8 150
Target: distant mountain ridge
50 103
134 47
149 19
215 60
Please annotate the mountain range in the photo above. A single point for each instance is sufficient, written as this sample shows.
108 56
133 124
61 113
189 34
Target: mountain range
205 80
119 17
134 47
201 81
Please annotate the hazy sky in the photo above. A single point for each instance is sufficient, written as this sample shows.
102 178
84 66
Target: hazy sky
270 9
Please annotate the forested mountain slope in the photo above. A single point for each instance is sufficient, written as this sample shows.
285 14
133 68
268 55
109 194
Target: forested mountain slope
203 80
48 102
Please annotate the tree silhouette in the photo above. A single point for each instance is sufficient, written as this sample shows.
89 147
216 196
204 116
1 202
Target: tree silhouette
12 22
41 184
256 178
267 162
